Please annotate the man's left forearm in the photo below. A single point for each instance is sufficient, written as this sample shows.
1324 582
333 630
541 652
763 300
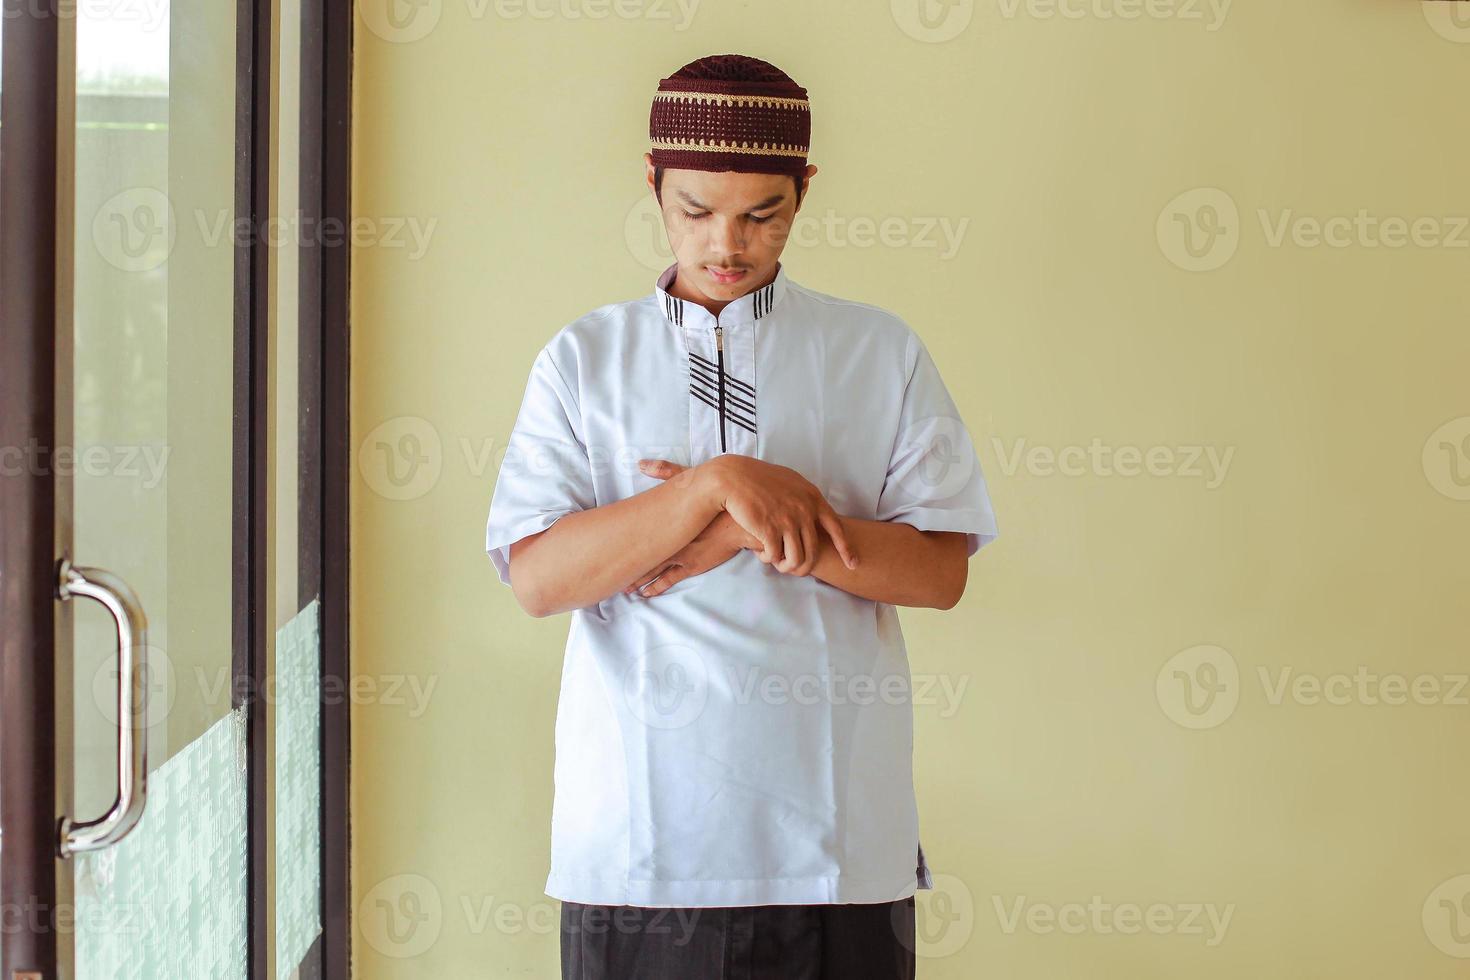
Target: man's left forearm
900 564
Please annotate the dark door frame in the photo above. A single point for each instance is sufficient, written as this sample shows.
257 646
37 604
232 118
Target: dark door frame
251 534
330 80
28 418
324 458
27 490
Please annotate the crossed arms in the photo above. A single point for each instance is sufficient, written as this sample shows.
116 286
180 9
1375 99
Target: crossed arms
701 516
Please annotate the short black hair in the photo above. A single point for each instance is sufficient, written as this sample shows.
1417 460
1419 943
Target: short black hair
658 185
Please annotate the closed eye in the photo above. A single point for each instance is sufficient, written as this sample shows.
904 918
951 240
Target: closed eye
705 214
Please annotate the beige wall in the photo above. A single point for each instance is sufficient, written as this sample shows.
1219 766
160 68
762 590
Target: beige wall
1329 540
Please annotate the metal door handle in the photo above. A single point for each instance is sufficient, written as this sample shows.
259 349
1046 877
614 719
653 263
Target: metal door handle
132 709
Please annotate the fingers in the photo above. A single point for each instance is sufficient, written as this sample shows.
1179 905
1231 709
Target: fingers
809 549
801 559
833 523
662 581
661 469
769 536
791 537
676 573
644 579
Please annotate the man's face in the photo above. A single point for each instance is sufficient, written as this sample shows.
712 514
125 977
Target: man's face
727 222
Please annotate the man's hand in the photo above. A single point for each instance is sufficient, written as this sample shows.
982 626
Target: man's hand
904 565
720 541
774 504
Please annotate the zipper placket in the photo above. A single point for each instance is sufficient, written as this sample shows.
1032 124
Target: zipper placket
720 371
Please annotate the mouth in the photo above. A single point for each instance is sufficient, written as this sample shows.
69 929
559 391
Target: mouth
725 276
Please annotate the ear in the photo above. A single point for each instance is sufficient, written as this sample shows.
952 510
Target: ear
806 186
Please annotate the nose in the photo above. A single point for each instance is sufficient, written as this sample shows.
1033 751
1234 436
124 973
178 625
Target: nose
726 236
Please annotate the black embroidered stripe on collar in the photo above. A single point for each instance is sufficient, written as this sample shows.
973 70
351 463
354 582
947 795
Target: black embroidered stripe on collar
763 299
761 302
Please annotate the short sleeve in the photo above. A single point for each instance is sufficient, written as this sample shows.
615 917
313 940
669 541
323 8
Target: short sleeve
546 473
934 480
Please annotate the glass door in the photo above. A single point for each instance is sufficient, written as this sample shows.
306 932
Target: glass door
146 358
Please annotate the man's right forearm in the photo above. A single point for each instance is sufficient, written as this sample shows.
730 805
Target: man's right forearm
589 555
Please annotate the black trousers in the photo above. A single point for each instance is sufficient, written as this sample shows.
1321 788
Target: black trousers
752 942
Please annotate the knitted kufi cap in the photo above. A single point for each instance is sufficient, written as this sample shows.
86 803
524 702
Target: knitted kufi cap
730 112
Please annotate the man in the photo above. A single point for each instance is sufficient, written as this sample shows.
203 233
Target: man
731 483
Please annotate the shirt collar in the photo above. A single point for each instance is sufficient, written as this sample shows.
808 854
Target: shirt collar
745 309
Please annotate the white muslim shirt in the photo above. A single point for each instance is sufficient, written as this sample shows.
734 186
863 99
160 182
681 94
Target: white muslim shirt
745 738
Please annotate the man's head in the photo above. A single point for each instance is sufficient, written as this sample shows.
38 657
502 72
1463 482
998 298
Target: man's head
728 168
